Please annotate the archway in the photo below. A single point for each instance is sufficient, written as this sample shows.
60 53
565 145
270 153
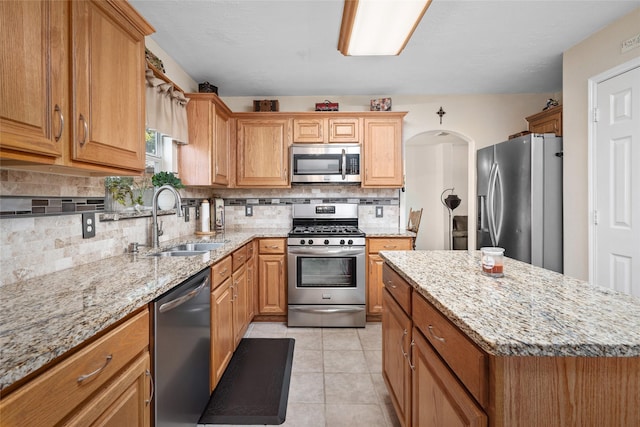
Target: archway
435 161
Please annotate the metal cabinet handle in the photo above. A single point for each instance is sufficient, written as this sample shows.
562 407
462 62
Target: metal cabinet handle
153 388
407 355
86 130
411 365
390 284
434 335
58 110
81 378
404 334
390 246
223 272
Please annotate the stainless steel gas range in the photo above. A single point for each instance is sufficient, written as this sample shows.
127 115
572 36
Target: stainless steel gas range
326 258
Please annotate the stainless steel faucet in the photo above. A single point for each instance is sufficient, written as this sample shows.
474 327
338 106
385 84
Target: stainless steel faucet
157 228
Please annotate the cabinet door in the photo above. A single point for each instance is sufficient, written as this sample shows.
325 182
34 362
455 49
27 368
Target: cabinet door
252 279
222 341
383 152
344 129
108 85
374 285
221 147
34 96
396 342
438 398
308 130
273 285
240 304
262 153
125 402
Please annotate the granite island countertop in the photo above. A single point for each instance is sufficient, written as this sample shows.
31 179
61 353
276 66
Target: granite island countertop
44 317
528 312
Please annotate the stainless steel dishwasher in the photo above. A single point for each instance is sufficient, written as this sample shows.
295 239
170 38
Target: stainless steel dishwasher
182 348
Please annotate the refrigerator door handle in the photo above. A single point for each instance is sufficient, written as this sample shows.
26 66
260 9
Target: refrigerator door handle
490 203
500 214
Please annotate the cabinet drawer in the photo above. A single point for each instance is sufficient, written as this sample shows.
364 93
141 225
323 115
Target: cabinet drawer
55 393
272 246
398 287
220 272
467 361
390 244
239 257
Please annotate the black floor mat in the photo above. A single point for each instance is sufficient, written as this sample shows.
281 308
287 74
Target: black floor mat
255 387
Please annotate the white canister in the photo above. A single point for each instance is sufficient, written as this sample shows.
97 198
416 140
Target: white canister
204 216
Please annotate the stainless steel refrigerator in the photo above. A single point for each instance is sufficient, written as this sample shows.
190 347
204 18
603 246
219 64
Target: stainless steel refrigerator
520 199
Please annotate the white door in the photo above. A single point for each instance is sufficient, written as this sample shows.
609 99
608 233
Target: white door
617 183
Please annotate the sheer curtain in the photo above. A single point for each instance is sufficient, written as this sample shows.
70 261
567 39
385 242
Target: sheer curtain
166 108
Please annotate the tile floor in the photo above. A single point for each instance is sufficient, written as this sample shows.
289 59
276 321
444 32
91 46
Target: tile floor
336 378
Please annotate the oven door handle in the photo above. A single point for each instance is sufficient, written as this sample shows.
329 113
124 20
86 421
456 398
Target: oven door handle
327 309
325 251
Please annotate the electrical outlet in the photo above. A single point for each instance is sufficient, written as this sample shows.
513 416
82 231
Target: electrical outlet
88 225
248 210
379 212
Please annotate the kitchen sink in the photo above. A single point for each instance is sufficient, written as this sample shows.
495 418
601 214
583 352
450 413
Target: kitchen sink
196 247
177 253
188 249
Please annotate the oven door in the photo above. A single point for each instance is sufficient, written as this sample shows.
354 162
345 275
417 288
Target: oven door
326 275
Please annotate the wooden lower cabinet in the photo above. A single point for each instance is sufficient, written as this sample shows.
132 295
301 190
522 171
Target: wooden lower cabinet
123 403
272 269
437 397
107 382
374 270
240 303
222 337
396 345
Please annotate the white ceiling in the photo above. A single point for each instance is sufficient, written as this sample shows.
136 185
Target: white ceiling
289 47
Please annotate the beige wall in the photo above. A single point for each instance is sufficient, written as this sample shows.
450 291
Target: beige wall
598 53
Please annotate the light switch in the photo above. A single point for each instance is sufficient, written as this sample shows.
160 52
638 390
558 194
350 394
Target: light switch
248 210
379 212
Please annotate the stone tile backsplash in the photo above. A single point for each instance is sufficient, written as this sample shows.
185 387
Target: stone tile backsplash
33 245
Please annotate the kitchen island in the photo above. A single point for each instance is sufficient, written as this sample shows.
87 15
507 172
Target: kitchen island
531 348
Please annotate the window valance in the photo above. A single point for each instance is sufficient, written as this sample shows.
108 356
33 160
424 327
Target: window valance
166 108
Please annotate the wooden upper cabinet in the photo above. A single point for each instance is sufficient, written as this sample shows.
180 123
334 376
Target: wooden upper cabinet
34 100
547 121
382 151
108 118
263 152
326 129
344 129
205 160
72 85
309 130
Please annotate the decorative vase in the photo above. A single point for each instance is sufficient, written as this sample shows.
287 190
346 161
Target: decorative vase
166 200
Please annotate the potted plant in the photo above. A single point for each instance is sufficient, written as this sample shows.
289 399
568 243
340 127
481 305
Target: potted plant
125 191
166 199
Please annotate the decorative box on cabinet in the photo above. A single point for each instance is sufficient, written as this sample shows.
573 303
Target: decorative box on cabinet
91 119
547 121
105 381
205 160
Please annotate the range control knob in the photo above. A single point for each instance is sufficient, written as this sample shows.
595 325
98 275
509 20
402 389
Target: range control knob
342 242
310 242
326 242
350 242
302 242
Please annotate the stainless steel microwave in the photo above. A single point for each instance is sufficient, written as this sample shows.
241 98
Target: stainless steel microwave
325 163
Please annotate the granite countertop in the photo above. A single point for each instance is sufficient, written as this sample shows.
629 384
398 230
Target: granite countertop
528 312
44 317
387 232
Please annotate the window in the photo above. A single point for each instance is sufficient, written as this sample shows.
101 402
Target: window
161 153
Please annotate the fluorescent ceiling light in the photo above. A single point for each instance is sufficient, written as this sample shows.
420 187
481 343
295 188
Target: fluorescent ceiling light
379 27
